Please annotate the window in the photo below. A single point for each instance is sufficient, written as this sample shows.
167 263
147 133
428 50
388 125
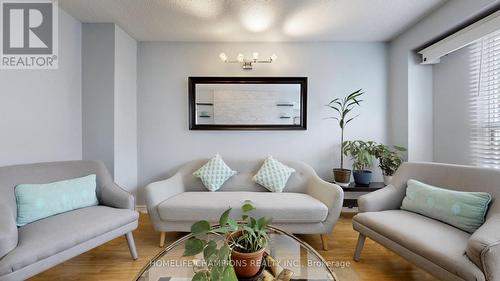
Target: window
485 101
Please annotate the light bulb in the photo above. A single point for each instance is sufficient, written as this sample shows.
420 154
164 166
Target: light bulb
273 57
255 55
241 57
223 57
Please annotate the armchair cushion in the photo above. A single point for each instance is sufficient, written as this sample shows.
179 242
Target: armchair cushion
437 242
483 247
38 201
8 230
47 237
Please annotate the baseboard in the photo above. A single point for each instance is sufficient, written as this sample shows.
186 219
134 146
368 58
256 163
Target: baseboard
141 209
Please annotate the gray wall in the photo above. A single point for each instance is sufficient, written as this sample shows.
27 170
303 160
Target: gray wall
333 69
409 84
451 108
125 127
110 100
98 66
40 110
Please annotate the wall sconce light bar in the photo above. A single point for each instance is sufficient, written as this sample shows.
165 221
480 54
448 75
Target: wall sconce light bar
247 63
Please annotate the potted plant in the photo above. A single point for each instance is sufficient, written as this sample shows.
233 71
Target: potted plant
389 160
362 153
242 253
343 108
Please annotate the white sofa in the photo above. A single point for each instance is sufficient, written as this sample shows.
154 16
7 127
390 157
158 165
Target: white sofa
308 204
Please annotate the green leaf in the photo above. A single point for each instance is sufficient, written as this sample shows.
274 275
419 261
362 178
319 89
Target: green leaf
216 272
224 217
247 207
200 276
222 230
399 148
233 225
224 253
210 250
263 222
200 227
253 222
193 247
229 274
347 122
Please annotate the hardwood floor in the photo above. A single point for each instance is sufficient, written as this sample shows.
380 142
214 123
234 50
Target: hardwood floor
112 261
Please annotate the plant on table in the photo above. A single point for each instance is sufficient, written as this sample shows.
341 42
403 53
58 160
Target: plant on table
362 153
389 159
343 115
243 238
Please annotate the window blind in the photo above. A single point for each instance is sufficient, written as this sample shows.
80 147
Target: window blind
485 101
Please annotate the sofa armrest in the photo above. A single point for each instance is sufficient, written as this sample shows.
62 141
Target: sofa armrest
8 230
331 195
483 248
387 198
113 195
160 191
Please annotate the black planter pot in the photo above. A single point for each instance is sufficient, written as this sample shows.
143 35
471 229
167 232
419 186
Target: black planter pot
362 178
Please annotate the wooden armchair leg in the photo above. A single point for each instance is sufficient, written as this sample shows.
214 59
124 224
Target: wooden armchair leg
162 239
324 241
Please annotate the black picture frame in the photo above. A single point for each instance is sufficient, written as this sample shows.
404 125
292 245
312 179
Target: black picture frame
193 81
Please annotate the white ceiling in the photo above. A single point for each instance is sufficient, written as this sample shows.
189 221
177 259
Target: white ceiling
255 20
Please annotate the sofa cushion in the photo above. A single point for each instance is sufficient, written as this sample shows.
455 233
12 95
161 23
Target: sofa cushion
214 173
49 236
273 175
282 207
438 242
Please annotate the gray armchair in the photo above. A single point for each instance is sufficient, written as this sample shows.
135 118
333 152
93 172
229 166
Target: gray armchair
442 250
37 246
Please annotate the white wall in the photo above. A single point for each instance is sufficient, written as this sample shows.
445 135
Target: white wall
333 69
451 108
125 104
40 110
410 82
420 129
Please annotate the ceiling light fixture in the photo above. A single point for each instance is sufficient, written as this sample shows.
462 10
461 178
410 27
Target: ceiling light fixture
247 63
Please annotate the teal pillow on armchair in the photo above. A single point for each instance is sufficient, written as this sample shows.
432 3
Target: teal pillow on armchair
463 210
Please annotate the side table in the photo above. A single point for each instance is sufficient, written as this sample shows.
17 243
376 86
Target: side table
352 192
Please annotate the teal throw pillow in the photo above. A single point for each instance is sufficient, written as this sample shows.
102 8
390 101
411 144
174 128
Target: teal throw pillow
214 173
38 201
463 210
273 175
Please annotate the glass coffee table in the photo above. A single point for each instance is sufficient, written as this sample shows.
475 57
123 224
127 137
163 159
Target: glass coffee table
289 251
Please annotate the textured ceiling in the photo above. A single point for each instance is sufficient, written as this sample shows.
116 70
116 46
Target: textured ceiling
255 20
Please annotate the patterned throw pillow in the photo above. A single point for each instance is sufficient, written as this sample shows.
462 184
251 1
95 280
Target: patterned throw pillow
273 175
214 173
